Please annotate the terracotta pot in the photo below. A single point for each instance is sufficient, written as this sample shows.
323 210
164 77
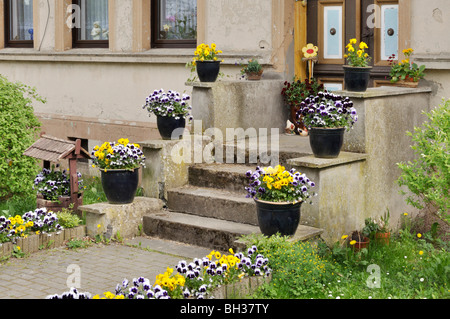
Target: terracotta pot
383 238
408 84
361 244
254 76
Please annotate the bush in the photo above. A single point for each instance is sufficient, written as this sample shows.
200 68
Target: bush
18 130
428 176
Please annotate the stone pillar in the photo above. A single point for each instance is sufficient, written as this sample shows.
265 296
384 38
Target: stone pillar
239 104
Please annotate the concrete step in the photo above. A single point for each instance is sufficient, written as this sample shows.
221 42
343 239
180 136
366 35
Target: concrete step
214 203
229 177
209 232
201 231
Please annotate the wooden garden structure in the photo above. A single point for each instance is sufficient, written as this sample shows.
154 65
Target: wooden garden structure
50 149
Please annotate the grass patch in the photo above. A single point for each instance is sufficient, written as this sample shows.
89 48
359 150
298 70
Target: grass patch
411 267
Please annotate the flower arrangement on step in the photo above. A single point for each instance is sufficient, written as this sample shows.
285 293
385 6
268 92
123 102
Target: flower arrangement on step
172 109
206 62
276 184
253 70
357 70
406 70
118 155
328 110
327 116
357 56
168 104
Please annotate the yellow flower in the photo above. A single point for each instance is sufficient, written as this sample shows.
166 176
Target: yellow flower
18 247
419 235
363 45
344 236
353 41
353 242
231 251
405 214
421 253
217 255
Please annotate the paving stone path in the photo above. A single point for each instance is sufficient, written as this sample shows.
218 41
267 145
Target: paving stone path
101 267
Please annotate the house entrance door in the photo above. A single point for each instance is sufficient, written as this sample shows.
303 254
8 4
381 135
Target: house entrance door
332 23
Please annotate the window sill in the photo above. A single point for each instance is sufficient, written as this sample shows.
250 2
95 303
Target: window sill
158 56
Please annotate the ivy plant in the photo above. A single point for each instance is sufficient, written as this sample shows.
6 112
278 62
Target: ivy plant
428 176
19 128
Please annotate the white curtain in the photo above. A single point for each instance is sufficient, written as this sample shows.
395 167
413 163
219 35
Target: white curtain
21 17
94 20
178 19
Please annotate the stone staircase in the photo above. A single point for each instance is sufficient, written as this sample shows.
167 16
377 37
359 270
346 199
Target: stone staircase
212 210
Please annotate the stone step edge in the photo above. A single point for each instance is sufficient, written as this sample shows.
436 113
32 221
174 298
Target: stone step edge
34 243
197 224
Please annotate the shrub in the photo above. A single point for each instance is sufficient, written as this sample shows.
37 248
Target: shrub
428 176
18 129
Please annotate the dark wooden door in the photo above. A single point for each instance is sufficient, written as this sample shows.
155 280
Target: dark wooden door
332 23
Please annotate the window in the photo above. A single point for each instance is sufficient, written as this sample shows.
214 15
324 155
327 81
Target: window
19 30
91 30
174 23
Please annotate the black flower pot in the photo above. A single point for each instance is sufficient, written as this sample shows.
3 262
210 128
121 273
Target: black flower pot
208 71
282 218
119 185
356 79
326 142
167 125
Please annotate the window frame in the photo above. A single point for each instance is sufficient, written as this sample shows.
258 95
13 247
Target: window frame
161 43
7 27
87 44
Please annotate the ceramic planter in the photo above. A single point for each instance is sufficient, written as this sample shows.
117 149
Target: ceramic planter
208 71
120 185
274 218
167 125
356 79
254 76
326 142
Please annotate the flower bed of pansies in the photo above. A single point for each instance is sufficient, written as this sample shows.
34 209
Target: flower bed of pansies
33 222
196 280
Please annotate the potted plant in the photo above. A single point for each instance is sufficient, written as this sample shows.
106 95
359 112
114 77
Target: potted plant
294 93
278 195
171 110
357 70
207 63
119 164
327 116
53 189
358 240
383 233
253 70
406 73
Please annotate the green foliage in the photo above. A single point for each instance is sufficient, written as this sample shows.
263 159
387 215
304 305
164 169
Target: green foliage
67 219
428 176
18 130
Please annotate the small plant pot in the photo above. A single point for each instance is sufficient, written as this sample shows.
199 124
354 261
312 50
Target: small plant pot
361 244
383 238
254 76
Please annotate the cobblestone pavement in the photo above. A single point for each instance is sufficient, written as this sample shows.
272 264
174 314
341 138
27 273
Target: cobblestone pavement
99 267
